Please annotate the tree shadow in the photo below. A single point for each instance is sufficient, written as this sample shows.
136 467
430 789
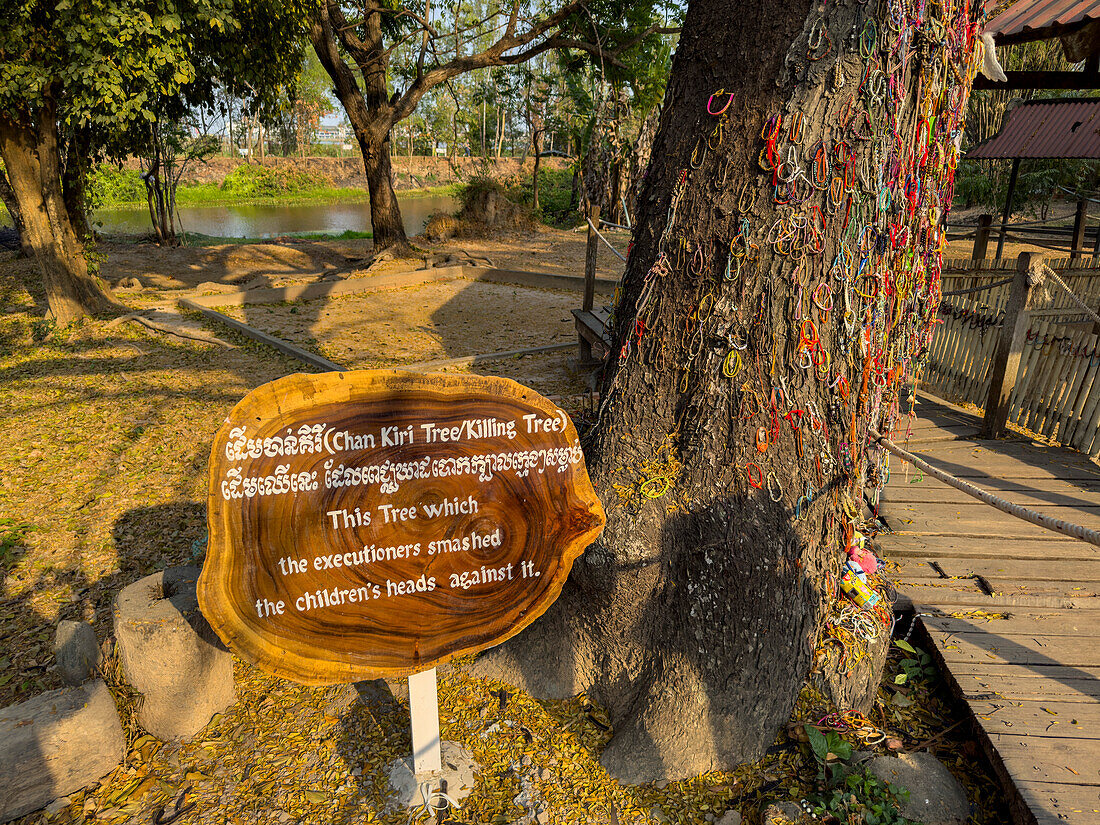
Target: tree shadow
677 646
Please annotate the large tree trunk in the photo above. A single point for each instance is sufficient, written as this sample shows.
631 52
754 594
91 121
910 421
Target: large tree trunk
387 226
33 162
369 113
701 612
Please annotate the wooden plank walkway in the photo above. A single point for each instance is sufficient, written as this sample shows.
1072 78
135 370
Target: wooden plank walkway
1013 610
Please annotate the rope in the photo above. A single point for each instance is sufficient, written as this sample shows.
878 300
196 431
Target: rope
1059 526
1073 296
977 288
592 226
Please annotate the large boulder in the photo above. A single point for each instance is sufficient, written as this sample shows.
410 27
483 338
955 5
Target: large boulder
55 744
171 655
935 796
77 652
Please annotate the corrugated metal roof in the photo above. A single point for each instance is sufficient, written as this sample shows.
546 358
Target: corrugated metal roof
1027 20
1066 128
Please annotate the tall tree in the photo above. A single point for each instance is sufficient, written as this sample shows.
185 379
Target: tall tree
368 33
100 72
778 294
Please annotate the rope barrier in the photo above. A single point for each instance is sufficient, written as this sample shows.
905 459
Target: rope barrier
1038 519
592 226
1073 296
977 288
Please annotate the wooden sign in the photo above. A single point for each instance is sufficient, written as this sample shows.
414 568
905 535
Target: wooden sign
377 523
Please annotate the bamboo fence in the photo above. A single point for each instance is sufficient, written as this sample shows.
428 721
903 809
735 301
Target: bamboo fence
1056 392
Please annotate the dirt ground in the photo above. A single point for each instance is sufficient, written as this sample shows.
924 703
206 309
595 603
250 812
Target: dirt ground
106 433
436 321
290 260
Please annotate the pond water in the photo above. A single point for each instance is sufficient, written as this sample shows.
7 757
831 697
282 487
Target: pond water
267 221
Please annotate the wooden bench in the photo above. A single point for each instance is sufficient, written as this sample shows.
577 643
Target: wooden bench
592 331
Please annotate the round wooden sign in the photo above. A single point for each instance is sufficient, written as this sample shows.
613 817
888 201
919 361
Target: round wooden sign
377 523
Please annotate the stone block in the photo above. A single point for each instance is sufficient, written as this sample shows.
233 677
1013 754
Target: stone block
170 654
77 652
55 744
935 796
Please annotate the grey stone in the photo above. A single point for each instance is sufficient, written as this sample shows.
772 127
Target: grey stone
783 813
730 818
170 654
59 804
130 284
935 796
77 652
55 744
459 769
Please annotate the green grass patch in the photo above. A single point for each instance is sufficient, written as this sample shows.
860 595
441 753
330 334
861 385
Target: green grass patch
247 185
199 239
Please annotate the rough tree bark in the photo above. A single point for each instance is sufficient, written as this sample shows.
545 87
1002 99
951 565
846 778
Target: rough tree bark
30 152
755 341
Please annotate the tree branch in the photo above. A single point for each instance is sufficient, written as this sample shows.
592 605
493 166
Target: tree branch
656 28
559 42
492 56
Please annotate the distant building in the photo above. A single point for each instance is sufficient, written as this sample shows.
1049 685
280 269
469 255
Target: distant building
333 135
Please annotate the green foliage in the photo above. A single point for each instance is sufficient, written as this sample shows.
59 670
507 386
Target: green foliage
118 65
830 742
43 328
853 795
915 667
985 183
555 190
861 797
249 181
109 186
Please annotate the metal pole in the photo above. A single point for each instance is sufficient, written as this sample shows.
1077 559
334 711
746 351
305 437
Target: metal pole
1008 205
1076 249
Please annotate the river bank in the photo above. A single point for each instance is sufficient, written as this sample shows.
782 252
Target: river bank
205 222
410 174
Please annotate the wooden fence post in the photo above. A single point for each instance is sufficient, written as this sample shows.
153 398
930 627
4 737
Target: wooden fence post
592 211
1006 360
981 238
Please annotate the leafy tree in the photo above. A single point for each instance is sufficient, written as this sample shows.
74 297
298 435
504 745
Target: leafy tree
369 34
101 72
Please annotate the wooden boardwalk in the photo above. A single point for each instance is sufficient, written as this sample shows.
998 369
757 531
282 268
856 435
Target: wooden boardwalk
1013 610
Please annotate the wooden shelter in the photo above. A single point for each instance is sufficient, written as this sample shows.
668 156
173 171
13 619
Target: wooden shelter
1066 128
1063 128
